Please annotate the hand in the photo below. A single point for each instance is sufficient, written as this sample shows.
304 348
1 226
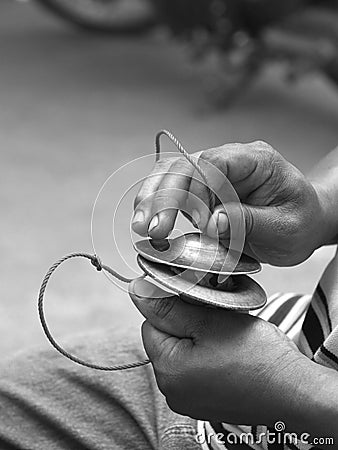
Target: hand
219 365
284 217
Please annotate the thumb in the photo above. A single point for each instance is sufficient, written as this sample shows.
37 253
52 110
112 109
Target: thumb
167 312
258 222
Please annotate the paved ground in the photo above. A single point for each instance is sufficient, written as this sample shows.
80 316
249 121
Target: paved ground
74 108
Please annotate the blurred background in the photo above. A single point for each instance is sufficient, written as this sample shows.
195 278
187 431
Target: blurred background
76 104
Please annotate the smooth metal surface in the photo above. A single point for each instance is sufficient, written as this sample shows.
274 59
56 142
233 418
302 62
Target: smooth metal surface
246 295
199 252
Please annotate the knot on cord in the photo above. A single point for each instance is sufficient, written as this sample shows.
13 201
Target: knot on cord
96 263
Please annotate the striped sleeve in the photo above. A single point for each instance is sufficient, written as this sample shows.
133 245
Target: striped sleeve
312 323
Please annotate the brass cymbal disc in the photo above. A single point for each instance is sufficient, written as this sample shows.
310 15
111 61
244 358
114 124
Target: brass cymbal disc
246 294
198 252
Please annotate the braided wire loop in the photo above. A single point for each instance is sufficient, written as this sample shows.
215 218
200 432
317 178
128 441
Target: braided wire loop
99 266
190 158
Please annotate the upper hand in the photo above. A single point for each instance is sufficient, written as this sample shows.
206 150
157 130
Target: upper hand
283 214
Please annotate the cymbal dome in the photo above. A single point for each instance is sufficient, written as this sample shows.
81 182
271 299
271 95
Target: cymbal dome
198 252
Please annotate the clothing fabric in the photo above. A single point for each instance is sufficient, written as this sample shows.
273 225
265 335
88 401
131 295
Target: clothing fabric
49 403
312 323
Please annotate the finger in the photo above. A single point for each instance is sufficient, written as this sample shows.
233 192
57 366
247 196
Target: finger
225 239
157 343
215 181
260 225
246 166
197 203
218 224
166 312
247 250
170 197
231 222
145 196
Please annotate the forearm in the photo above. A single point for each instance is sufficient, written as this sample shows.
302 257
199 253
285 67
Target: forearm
324 177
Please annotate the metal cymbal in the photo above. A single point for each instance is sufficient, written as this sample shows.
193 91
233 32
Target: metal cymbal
198 252
245 293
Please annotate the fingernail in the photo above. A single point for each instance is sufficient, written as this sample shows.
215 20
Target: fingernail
138 216
222 222
221 278
142 288
212 229
196 217
153 223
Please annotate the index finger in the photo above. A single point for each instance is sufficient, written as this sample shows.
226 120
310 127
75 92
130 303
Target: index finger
145 196
170 197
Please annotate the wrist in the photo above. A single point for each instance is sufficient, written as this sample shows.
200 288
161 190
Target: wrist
327 212
313 401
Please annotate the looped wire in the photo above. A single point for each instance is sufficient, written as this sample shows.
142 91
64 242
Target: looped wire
96 262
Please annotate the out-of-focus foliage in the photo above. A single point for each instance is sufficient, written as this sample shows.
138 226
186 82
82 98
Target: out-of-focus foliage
233 39
246 35
225 16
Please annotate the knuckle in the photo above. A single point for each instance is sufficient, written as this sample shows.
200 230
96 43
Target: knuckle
229 147
249 220
167 196
180 163
163 163
204 154
265 155
211 154
263 152
262 146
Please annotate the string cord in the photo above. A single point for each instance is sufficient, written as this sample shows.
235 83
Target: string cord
96 262
188 157
99 266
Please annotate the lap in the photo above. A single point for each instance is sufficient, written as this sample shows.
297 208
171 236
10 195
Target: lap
49 402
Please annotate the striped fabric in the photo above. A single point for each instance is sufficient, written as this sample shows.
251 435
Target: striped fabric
312 323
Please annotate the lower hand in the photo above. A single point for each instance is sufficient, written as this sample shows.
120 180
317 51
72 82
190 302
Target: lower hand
219 365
